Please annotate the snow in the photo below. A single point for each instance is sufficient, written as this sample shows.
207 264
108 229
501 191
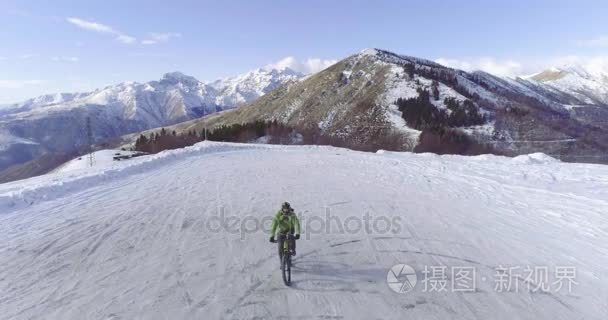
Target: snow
473 88
262 139
368 52
534 158
398 87
347 74
251 85
588 86
518 84
287 112
131 241
383 56
7 139
102 159
328 121
581 87
487 129
571 107
294 138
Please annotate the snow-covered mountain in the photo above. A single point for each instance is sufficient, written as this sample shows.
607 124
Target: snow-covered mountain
56 123
41 101
488 237
356 100
589 86
562 112
174 97
247 87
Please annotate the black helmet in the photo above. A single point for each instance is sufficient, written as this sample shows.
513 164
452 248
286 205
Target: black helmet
285 207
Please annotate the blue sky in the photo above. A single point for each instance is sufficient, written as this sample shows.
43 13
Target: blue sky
65 46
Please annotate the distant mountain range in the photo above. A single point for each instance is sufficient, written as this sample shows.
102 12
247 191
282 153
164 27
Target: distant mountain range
561 111
56 123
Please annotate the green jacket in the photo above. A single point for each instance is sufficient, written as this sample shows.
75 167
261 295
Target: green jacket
285 223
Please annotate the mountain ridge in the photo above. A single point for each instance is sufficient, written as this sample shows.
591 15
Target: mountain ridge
56 122
356 99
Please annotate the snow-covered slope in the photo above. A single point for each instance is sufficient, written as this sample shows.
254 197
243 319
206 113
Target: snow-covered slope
41 101
252 85
142 240
100 160
589 86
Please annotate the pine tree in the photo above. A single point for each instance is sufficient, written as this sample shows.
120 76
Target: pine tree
409 70
435 89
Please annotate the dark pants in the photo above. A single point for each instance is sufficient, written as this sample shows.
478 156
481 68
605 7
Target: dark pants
286 237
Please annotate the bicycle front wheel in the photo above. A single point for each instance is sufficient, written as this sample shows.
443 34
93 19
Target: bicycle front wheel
286 268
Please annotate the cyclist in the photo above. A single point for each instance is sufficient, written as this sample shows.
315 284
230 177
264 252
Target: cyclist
287 224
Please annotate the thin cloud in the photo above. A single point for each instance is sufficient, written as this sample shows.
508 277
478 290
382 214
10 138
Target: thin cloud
148 54
455 63
19 13
598 42
101 28
126 39
28 56
65 59
92 26
160 37
596 65
308 66
18 84
491 65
